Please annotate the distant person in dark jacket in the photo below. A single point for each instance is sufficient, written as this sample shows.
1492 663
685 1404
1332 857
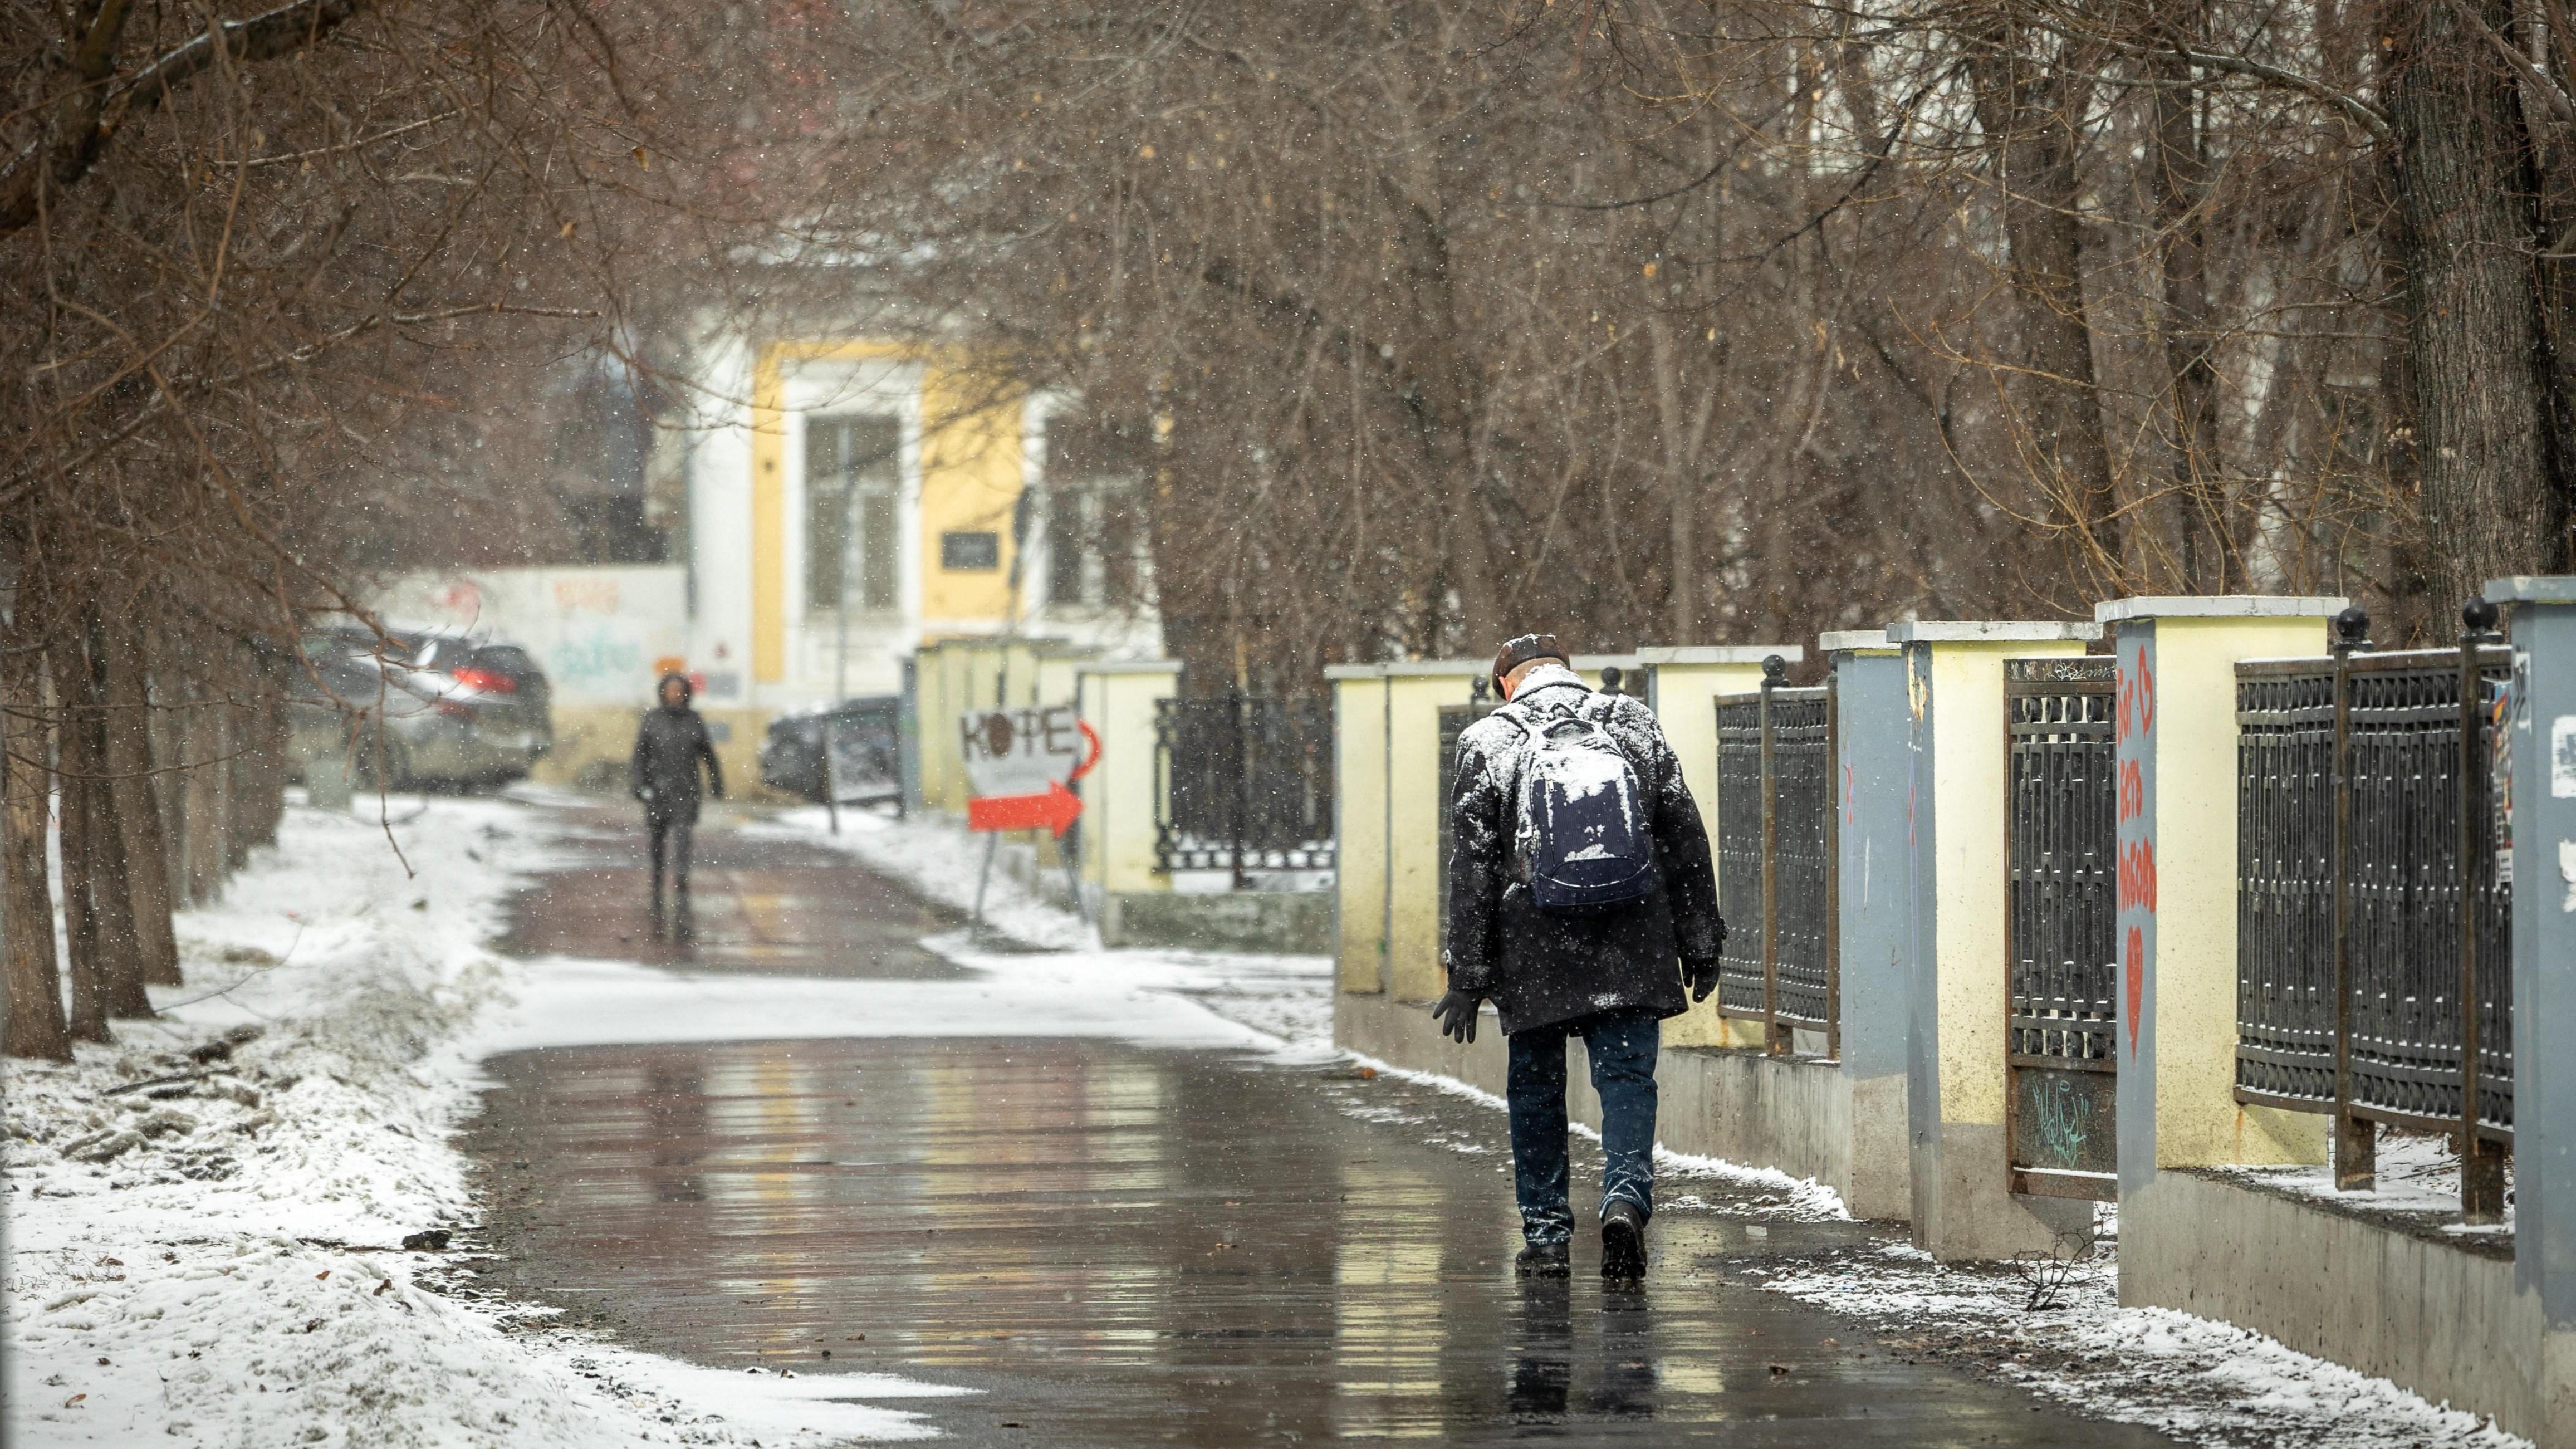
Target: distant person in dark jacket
664 775
1581 903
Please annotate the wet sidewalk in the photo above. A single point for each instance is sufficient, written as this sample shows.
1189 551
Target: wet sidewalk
1122 1245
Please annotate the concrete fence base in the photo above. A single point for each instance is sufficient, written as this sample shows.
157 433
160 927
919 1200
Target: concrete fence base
1801 1115
1293 922
2432 1316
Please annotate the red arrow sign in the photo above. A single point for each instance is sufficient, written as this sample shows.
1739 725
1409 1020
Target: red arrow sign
1053 811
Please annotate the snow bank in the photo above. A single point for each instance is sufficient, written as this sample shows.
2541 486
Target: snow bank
2201 1381
216 1259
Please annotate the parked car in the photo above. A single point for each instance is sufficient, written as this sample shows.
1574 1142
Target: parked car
452 709
864 734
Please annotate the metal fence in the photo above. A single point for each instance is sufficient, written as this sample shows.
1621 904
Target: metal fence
1243 784
1775 854
2060 944
2369 903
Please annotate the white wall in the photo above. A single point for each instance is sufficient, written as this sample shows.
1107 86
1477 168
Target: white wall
598 631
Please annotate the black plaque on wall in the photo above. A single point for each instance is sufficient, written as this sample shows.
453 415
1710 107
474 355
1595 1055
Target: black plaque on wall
968 552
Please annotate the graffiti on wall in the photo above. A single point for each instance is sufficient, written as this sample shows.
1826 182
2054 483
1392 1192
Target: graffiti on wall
2135 732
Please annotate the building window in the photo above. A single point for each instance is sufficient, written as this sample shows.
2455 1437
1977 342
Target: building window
1095 516
853 481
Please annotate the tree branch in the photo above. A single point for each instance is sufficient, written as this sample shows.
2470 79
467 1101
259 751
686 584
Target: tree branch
90 111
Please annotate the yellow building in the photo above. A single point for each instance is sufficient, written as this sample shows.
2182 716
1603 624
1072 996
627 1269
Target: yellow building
832 504
854 498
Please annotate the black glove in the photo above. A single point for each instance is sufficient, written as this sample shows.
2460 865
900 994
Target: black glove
1701 977
1456 1013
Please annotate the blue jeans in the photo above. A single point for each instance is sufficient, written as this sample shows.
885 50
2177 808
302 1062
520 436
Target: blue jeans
1622 1046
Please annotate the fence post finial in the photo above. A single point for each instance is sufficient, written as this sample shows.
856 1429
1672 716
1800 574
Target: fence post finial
2351 630
1775 670
2478 616
1612 676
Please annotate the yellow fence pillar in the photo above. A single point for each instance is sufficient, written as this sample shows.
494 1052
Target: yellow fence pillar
934 733
1119 796
1387 856
1360 824
955 661
1687 683
1954 682
2176 725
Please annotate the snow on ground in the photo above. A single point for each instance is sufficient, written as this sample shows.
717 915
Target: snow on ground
1152 997
1282 1004
944 861
2201 1381
215 1260
2418 1177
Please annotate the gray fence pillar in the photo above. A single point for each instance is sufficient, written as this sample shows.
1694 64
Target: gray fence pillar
1871 776
2542 740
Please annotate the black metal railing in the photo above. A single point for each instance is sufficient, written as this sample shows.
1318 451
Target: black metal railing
1243 784
2369 906
1775 859
2061 942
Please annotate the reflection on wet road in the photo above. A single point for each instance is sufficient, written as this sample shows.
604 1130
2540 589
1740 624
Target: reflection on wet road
1121 1245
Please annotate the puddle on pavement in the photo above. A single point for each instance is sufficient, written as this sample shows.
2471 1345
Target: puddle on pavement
1124 1246
757 903
1116 1245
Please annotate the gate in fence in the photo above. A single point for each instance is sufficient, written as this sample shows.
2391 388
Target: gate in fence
1775 855
1243 784
2059 939
2370 903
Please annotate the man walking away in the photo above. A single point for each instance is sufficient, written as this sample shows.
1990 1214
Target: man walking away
664 775
1580 903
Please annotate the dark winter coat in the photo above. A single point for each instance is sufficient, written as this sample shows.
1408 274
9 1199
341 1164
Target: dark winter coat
1541 969
668 746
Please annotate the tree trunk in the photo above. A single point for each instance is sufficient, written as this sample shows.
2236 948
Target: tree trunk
1681 482
266 755
35 1025
2031 110
103 872
204 796
74 765
2178 178
241 765
169 730
138 806
2465 183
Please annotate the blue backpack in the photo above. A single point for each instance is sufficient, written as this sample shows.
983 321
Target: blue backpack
1583 841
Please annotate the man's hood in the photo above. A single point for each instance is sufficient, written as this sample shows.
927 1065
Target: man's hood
687 692
1548 675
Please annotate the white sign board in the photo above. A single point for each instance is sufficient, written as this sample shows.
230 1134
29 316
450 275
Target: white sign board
1020 750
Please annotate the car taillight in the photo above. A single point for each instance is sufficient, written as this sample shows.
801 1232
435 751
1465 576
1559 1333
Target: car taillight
488 681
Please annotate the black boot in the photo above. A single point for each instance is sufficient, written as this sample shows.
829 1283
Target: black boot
1543 1260
1623 1241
